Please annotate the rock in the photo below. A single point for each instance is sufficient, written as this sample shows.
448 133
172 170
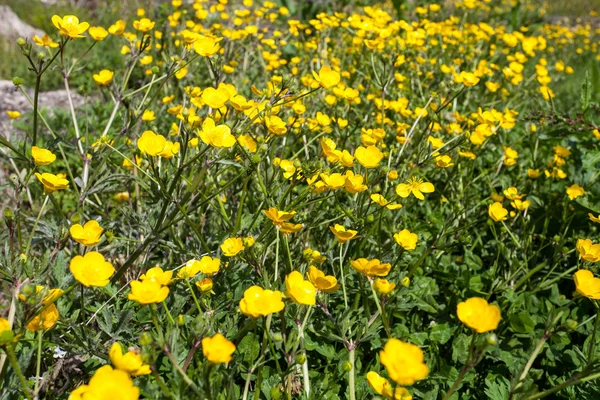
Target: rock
11 27
12 99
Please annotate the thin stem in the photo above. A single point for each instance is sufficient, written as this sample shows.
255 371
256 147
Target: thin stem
15 364
351 375
37 220
38 367
277 257
343 277
305 376
511 235
187 281
383 318
468 365
591 352
171 320
186 378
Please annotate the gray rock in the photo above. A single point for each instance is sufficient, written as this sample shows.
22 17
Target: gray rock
11 27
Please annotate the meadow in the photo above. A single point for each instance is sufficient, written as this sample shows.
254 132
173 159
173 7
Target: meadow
302 200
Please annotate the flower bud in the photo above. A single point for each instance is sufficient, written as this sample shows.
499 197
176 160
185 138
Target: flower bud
23 257
145 339
347 367
21 41
300 359
17 81
8 213
370 218
277 337
180 320
155 70
491 339
405 281
255 158
275 393
571 324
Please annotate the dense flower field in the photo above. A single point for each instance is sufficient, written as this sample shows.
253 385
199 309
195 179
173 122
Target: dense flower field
392 201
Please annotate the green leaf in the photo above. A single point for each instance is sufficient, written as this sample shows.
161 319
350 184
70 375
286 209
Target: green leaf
586 92
460 347
441 333
498 389
522 323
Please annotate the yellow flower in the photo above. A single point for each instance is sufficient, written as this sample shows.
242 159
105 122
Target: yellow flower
148 115
216 98
383 286
157 275
104 77
521 205
207 46
497 212
91 269
148 292
106 384
468 79
322 282
45 41
278 217
587 284
415 186
218 136
588 251
52 182
288 228
334 181
512 193
117 28
122 196
207 265
477 314
593 218
88 235
342 234
44 320
143 25
205 285
275 125
13 114
247 142
130 362
404 362
98 33
354 183
232 246
379 199
70 26
258 302
383 387
327 77
371 267
368 157
42 156
575 191
4 325
299 290
217 349
170 149
443 161
151 143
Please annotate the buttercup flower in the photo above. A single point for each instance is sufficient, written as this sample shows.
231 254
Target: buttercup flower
205 285
322 282
218 136
497 212
300 290
207 46
217 349
143 25
406 239
588 251
91 269
104 77
368 157
468 79
88 235
98 33
42 156
106 384
117 28
232 246
45 41
148 292
44 320
383 286
4 325
13 114
404 362
587 284
342 234
574 191
157 275
52 182
371 267
327 77
278 217
477 314
152 144
415 186
594 218
383 387
258 302
70 26
130 362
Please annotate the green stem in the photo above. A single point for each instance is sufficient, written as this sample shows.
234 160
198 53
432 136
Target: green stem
383 318
305 376
276 257
171 320
513 237
15 364
343 277
38 367
37 220
351 375
463 372
156 324
189 285
591 352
